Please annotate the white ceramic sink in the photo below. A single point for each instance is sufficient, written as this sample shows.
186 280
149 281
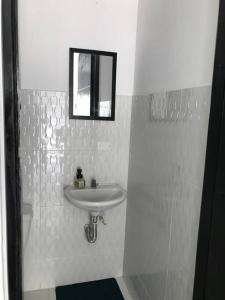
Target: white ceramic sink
97 199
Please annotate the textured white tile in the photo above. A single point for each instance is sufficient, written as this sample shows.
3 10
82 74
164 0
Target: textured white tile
66 257
53 106
30 175
51 179
51 150
32 254
29 120
168 144
46 294
124 288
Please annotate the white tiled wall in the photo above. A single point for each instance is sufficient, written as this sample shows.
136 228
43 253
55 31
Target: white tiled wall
52 146
167 154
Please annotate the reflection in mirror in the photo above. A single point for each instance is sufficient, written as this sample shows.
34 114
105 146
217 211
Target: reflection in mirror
82 84
92 84
105 86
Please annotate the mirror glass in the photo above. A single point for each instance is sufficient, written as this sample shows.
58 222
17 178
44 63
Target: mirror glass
81 84
92 84
105 86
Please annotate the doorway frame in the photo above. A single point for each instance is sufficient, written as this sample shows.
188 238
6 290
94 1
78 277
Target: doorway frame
12 164
13 197
210 263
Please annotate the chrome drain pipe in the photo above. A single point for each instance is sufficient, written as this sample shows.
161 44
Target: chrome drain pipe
91 229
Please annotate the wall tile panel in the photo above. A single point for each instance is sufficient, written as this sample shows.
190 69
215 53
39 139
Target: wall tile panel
167 156
52 147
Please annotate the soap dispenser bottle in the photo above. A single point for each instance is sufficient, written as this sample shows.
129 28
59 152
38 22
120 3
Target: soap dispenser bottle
79 181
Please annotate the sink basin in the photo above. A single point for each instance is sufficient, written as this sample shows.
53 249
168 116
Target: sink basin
97 199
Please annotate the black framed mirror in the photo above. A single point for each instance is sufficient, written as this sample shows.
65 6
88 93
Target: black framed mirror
92 84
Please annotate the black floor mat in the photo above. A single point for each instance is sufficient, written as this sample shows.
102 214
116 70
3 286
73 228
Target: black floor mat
106 289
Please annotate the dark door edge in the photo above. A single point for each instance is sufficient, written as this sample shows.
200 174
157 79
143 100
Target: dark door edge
13 211
10 71
211 163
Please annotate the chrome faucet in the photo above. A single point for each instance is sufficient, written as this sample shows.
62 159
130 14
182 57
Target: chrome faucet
93 183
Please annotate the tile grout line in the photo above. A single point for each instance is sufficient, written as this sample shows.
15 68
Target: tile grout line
169 249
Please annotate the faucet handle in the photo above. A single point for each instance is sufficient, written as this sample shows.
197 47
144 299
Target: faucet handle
101 218
93 183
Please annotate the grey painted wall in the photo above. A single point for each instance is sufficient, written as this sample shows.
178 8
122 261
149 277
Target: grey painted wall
48 28
175 44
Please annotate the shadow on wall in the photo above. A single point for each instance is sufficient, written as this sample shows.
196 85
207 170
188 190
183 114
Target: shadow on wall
167 154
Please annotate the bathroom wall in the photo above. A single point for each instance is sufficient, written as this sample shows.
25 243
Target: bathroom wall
52 146
175 44
3 238
167 152
173 71
174 53
48 28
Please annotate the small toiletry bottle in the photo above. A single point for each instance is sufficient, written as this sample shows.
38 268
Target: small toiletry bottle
79 181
